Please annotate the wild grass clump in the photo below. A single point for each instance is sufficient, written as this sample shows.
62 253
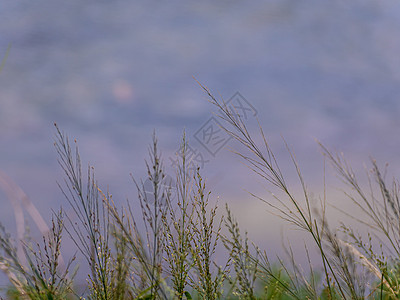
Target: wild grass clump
175 256
42 277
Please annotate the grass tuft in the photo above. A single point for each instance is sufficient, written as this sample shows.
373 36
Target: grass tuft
170 250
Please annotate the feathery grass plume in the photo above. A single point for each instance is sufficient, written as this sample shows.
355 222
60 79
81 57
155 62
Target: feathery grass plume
122 261
10 264
346 273
208 278
153 208
351 274
132 250
92 235
24 273
262 161
383 214
276 281
305 287
244 263
178 226
43 278
384 268
382 217
147 255
49 281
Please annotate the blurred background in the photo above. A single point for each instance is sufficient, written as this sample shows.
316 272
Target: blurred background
111 72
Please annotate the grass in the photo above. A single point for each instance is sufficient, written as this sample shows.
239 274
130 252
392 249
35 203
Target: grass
174 257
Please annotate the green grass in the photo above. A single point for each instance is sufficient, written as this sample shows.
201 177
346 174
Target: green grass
174 257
